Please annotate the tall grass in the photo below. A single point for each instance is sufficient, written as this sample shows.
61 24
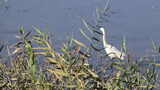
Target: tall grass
70 68
35 64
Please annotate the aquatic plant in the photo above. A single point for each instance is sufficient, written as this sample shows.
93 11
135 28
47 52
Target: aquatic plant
33 63
36 65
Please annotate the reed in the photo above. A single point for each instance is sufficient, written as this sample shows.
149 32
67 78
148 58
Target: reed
70 67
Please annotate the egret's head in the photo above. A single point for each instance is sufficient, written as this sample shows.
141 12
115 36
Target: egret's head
102 30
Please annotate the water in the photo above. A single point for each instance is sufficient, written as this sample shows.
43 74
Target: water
137 20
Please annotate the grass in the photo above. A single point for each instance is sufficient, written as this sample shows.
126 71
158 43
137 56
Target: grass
70 67
32 63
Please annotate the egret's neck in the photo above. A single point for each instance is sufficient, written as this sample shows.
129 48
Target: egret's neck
105 44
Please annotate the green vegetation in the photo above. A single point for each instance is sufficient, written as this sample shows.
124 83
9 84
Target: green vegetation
35 64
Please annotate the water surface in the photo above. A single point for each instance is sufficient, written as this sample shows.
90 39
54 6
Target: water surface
137 20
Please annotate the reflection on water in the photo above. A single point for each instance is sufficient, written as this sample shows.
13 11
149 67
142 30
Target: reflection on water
138 20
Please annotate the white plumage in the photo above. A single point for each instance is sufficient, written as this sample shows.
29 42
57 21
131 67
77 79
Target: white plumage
110 50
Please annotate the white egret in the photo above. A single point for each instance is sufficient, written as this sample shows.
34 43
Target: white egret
110 50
